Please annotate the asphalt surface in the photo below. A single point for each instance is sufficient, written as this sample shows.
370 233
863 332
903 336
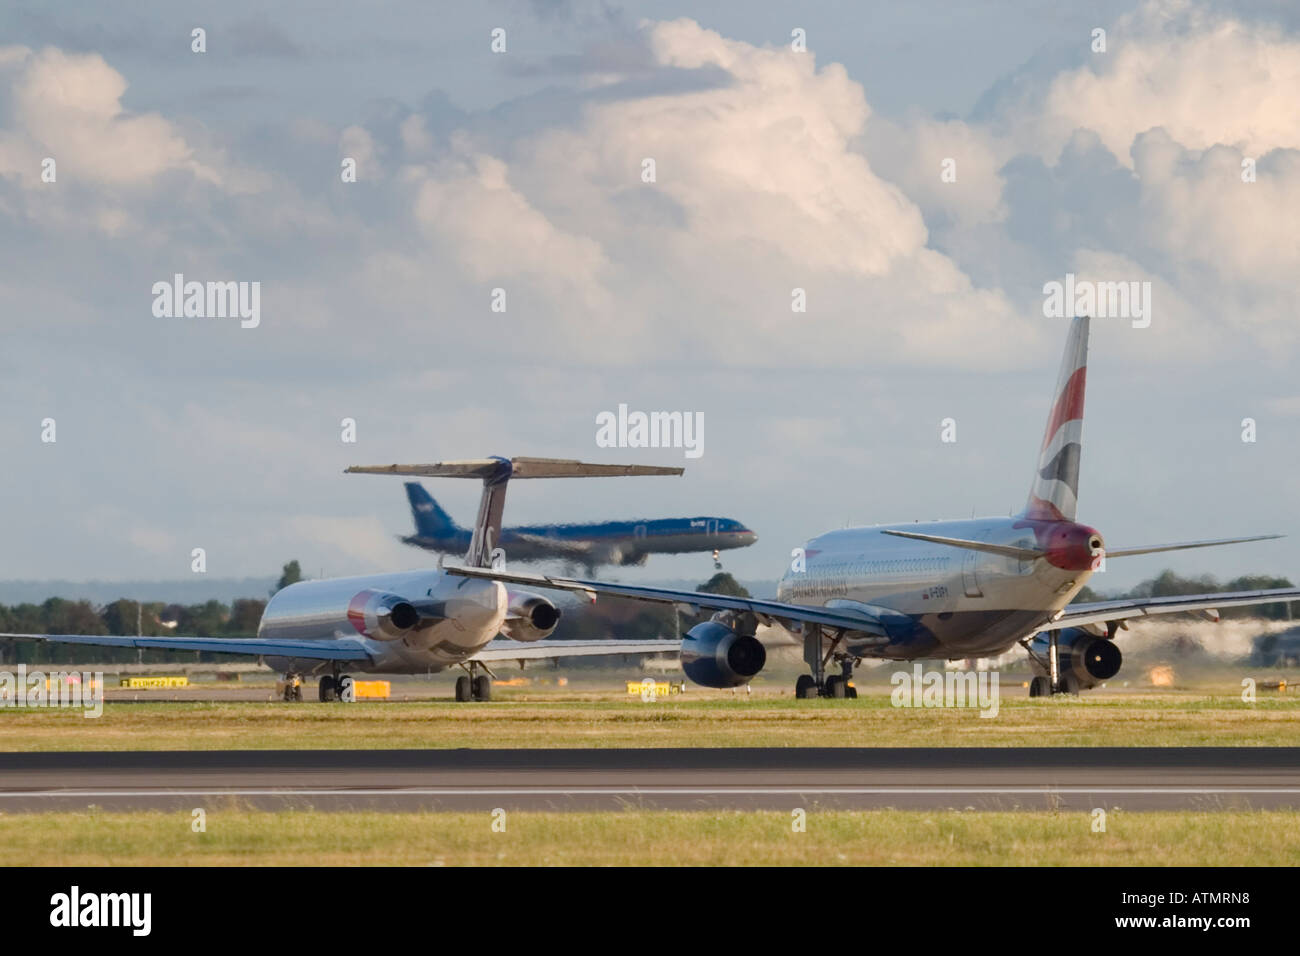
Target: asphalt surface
1073 778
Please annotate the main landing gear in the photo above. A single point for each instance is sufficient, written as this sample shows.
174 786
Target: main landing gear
817 684
474 686
336 687
1054 682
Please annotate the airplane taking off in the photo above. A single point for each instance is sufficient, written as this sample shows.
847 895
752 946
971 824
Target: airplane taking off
591 545
414 622
954 589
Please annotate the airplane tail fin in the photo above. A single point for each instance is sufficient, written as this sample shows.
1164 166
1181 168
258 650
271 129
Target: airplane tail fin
430 520
1055 491
495 474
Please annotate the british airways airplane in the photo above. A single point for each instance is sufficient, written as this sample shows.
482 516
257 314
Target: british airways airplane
411 622
953 589
590 545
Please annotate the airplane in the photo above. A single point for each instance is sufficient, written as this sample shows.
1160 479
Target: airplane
591 545
953 589
412 622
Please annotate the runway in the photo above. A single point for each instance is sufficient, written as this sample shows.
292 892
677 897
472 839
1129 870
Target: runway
859 778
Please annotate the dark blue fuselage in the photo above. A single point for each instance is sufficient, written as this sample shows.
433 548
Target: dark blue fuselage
594 544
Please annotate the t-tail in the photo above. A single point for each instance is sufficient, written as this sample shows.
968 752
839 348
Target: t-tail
430 520
495 473
1055 491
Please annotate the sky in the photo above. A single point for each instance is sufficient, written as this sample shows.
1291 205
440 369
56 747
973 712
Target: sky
920 171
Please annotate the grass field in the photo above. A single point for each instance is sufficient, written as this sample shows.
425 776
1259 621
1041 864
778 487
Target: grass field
697 719
651 837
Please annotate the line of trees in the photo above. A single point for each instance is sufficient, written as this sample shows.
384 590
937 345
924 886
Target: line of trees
1169 584
125 617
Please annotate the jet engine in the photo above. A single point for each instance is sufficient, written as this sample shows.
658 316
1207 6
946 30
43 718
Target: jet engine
530 617
382 616
1091 659
714 655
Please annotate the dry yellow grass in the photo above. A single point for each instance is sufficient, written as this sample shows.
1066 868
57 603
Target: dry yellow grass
651 837
700 719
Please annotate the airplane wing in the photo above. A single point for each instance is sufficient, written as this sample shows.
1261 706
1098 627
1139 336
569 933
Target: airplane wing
546 650
1101 612
842 619
341 649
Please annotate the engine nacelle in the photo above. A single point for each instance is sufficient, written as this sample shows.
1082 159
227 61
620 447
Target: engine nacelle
713 655
1089 658
382 616
530 617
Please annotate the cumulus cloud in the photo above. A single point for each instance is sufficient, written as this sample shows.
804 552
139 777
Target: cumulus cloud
1133 162
68 106
1196 206
757 190
471 210
1204 76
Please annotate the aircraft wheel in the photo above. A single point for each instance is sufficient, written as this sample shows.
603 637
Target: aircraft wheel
482 687
1070 684
462 688
837 687
853 692
1039 687
326 689
805 688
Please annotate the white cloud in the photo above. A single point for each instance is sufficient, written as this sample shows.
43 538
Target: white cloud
469 208
758 189
68 106
1196 206
1204 76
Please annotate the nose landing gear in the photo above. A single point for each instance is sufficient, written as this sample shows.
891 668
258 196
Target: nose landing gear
289 687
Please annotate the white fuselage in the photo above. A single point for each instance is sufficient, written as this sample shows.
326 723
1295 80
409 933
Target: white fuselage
935 600
472 612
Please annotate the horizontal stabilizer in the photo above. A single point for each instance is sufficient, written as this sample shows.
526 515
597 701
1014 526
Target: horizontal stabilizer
1153 549
1006 550
495 473
486 468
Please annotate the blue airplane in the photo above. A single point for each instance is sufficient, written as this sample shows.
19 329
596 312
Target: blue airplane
589 545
